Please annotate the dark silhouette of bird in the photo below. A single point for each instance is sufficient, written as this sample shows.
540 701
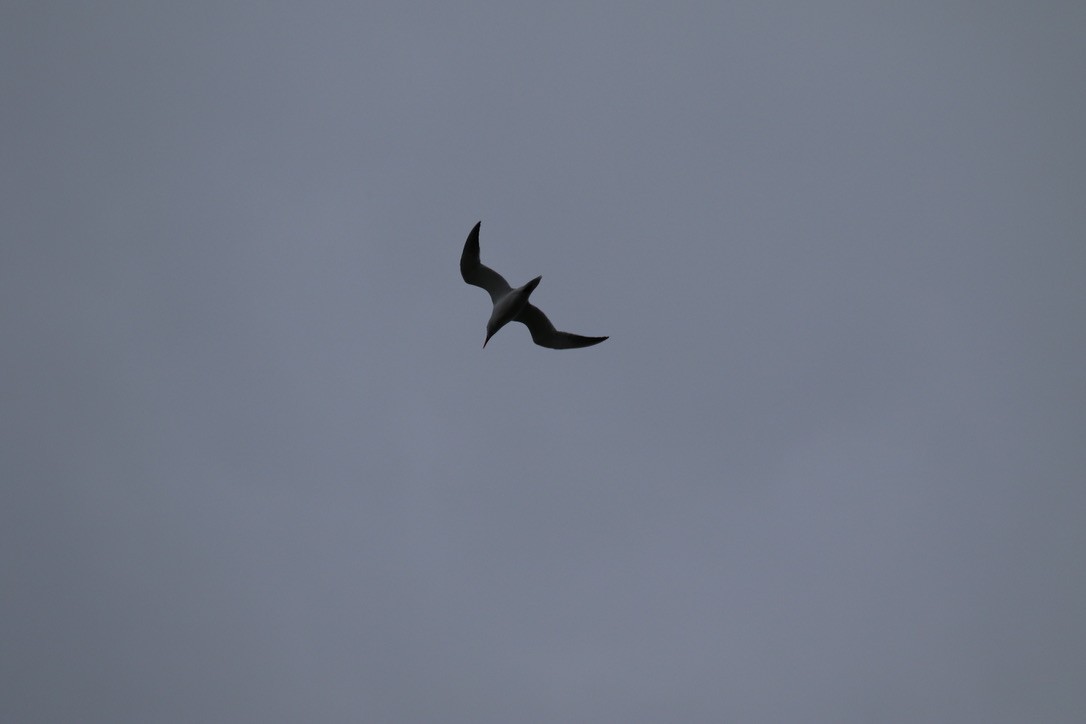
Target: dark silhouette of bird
512 305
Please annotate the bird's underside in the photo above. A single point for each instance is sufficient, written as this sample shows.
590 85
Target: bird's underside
543 332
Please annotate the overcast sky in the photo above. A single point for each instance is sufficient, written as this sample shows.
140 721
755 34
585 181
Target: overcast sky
829 467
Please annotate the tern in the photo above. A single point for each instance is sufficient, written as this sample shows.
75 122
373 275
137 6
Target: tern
512 305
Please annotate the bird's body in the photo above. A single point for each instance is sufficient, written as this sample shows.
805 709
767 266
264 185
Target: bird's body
512 305
509 306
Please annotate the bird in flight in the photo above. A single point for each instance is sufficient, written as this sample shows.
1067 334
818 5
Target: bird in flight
512 305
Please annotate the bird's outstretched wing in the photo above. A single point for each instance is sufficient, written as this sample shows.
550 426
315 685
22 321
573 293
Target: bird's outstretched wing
545 335
476 274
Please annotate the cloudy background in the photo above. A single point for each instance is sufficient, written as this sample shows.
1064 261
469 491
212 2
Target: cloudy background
255 467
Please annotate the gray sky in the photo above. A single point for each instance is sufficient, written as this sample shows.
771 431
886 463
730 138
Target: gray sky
829 467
